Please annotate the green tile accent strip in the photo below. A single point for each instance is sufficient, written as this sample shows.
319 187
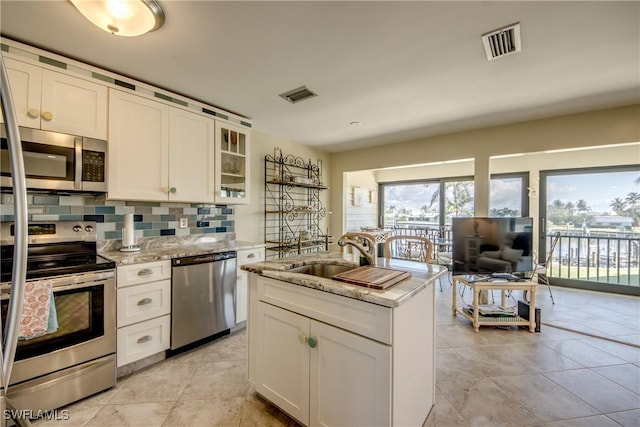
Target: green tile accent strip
162 96
179 102
53 62
213 113
4 47
243 123
222 116
99 76
170 99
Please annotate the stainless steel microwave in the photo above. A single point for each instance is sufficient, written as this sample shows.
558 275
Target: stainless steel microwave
56 161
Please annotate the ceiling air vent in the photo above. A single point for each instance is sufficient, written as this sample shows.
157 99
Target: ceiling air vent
501 42
299 94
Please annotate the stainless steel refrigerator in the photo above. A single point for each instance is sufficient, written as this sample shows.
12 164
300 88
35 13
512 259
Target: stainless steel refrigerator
19 269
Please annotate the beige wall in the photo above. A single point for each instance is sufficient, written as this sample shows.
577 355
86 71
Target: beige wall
249 219
363 212
592 129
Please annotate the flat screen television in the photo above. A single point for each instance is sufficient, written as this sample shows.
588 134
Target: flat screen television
482 246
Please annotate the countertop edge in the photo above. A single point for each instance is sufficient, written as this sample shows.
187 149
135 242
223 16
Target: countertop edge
172 251
391 297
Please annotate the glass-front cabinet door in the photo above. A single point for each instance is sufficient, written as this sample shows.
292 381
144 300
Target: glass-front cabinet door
232 163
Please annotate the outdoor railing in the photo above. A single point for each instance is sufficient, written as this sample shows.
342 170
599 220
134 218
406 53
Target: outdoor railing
596 258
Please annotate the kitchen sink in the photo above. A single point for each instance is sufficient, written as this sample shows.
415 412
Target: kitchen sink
322 270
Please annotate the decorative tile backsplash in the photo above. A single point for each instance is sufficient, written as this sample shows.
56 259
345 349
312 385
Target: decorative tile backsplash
151 219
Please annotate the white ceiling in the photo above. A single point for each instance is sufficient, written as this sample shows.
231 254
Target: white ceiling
403 69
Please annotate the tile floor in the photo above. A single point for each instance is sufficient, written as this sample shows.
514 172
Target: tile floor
497 377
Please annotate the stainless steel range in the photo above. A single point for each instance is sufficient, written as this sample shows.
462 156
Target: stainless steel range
78 359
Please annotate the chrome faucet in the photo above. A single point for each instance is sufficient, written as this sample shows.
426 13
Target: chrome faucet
367 248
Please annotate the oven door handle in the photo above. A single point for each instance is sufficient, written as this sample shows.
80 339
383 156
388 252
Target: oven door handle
72 287
5 295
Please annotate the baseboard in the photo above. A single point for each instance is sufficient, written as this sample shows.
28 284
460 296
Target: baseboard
523 311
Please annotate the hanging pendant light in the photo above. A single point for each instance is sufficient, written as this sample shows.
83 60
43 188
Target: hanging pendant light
122 17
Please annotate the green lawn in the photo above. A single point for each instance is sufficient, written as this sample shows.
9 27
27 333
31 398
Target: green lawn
625 276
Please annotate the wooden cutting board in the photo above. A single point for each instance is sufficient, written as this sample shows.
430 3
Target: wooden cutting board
372 277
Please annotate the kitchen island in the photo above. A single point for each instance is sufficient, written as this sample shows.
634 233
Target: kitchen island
332 353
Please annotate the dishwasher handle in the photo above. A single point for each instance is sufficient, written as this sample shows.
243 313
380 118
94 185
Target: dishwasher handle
201 259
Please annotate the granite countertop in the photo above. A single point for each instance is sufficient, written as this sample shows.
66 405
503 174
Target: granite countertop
175 249
423 275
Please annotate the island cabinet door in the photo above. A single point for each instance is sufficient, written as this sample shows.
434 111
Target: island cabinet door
282 370
350 382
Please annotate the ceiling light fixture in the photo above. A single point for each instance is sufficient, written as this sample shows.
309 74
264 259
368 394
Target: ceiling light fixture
122 17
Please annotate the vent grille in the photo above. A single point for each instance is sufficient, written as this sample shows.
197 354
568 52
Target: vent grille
299 94
501 42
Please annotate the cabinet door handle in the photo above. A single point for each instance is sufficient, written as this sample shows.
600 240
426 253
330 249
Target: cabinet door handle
145 301
144 339
145 272
33 113
251 255
302 338
47 115
312 342
173 190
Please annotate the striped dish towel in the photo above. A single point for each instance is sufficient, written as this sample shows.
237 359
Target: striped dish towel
38 305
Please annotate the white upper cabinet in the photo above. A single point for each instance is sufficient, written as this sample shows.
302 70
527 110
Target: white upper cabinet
158 152
138 148
232 164
191 157
53 101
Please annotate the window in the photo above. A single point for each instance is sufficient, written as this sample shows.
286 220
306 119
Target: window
411 205
419 205
508 196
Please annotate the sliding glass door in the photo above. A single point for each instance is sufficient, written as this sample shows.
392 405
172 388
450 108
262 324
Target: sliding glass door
597 215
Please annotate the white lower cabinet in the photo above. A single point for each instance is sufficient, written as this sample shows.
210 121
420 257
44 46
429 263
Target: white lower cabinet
320 374
329 360
143 339
143 310
245 256
143 302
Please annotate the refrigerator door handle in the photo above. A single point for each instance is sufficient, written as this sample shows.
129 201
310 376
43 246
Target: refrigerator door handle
8 350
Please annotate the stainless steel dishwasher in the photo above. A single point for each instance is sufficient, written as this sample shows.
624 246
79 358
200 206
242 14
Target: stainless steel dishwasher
202 296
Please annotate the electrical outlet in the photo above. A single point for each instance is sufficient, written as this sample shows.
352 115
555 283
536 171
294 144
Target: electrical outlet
183 223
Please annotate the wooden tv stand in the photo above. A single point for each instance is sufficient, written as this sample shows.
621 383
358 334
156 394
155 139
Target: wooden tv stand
494 284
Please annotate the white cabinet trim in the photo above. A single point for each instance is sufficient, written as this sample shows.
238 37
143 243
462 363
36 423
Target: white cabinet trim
143 302
134 274
369 320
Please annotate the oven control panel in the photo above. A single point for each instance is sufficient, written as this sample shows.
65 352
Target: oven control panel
51 232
